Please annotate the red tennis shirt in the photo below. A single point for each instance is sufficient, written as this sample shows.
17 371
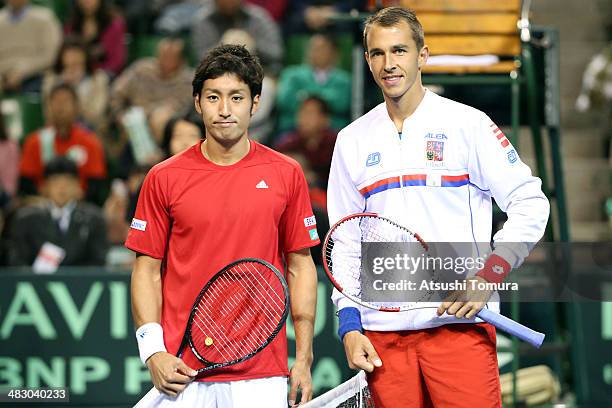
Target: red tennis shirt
198 217
82 146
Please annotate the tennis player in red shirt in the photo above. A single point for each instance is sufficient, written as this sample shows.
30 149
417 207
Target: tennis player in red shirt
225 198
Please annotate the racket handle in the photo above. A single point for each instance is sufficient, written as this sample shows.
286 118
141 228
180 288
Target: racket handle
514 328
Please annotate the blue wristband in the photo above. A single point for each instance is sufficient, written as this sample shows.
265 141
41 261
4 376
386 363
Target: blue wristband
349 319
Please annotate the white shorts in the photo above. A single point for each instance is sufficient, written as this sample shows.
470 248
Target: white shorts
268 392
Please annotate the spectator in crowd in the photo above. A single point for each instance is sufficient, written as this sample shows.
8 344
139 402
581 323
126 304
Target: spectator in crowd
103 31
180 134
276 8
219 16
61 219
74 67
64 137
9 170
160 85
263 121
312 138
312 16
30 37
318 76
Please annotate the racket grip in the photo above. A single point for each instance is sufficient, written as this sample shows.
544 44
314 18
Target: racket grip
514 328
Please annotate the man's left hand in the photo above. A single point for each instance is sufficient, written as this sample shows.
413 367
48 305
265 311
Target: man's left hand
466 303
300 378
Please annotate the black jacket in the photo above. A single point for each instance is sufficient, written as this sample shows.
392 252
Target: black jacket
85 240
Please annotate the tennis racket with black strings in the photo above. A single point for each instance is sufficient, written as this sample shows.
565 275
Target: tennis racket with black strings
342 260
238 312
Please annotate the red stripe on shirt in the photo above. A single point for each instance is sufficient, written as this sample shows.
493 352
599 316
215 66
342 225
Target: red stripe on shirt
414 177
371 187
461 177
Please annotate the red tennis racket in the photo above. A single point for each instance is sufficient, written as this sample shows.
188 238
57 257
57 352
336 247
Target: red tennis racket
236 315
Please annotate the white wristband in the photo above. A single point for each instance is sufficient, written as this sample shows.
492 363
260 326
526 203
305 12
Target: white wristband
150 338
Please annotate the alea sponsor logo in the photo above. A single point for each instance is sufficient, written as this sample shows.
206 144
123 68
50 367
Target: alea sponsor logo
436 136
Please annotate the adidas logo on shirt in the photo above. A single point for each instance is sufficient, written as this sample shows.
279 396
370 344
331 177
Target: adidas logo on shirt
261 184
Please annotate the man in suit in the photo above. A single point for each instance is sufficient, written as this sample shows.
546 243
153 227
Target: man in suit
59 219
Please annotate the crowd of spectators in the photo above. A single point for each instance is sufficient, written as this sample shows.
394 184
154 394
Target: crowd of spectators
111 112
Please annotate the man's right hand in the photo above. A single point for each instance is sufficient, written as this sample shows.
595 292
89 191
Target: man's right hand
359 352
170 374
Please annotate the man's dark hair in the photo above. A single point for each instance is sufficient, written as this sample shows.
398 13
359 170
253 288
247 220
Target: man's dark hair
229 59
63 86
323 106
61 165
391 16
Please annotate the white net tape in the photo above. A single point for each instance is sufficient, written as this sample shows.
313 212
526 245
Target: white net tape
353 393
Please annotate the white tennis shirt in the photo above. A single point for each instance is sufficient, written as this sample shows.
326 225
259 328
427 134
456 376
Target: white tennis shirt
437 178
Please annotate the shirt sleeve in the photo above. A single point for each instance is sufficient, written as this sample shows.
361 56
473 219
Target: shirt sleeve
19 250
343 197
495 166
298 226
31 163
49 39
149 228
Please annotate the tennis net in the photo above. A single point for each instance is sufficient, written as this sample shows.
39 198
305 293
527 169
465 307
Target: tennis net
353 393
